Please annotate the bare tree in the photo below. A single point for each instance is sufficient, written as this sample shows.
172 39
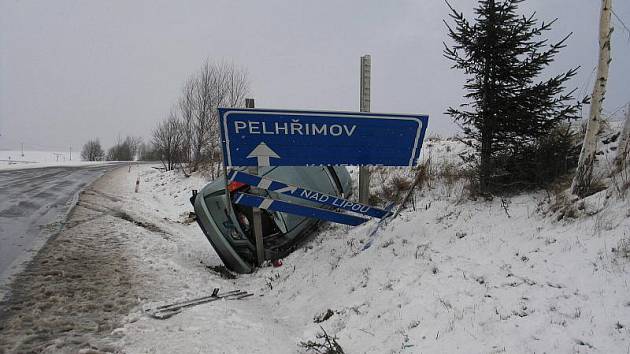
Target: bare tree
147 152
234 87
168 139
124 150
133 143
214 85
237 86
186 107
584 173
202 122
92 151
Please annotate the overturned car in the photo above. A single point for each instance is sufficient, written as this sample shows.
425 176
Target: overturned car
230 230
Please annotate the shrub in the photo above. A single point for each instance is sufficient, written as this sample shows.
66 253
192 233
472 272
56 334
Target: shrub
623 248
535 165
92 151
325 344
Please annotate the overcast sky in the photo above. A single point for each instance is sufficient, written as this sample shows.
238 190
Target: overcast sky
73 70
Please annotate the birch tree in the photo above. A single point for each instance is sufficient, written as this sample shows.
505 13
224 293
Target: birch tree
623 149
584 173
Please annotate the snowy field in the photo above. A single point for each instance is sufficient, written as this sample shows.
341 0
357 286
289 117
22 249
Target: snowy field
14 160
449 275
453 276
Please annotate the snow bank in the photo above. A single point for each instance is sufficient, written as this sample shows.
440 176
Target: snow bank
448 276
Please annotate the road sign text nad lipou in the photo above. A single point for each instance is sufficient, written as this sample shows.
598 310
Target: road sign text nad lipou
305 194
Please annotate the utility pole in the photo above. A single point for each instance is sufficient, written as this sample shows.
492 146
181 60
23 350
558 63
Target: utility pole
22 149
364 104
256 213
70 152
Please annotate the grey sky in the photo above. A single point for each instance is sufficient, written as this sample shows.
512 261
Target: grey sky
72 70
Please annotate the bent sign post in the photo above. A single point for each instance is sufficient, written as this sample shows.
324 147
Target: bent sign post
255 201
305 194
262 137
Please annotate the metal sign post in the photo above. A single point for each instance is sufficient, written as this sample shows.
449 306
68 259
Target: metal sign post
256 213
364 104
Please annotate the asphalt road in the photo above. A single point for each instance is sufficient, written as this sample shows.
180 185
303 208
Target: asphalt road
33 205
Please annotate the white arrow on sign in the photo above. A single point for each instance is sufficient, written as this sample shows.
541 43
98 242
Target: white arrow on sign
289 189
262 152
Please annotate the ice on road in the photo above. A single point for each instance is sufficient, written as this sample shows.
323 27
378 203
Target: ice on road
33 204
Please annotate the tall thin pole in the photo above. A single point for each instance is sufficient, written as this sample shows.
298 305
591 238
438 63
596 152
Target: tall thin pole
228 199
364 104
256 213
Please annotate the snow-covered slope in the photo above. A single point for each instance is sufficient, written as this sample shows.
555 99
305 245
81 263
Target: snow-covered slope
451 275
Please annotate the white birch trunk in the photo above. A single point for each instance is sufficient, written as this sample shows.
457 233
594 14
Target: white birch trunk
584 172
623 149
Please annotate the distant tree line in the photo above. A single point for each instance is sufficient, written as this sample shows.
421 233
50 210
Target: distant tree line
125 149
128 149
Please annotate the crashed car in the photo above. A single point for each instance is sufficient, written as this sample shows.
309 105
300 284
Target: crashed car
230 230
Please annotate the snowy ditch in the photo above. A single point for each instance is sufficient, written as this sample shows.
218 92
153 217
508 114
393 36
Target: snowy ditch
453 275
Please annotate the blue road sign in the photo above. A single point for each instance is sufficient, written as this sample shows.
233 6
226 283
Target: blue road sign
284 207
263 137
313 196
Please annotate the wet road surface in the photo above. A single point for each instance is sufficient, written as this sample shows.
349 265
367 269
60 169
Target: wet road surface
33 205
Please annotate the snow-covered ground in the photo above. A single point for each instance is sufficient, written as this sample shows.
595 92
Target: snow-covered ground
453 275
17 160
449 275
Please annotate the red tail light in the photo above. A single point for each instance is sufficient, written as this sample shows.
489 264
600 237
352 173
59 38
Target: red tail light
233 186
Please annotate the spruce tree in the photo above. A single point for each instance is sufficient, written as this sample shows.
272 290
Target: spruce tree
509 107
